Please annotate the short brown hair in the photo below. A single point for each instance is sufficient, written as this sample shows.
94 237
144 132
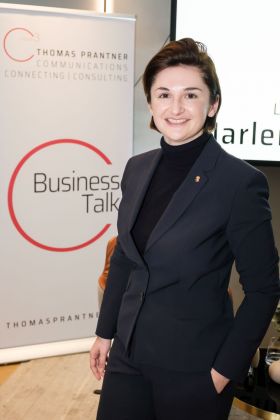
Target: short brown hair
188 52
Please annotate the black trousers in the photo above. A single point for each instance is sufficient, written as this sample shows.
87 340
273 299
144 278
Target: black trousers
144 392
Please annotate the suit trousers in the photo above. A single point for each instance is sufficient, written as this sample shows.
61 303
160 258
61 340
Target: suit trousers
143 392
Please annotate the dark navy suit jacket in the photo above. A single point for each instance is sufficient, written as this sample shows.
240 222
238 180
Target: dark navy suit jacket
170 307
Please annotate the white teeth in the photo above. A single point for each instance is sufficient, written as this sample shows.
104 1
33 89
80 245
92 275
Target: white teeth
180 121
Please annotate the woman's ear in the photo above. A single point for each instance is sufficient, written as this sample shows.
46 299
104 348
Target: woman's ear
214 107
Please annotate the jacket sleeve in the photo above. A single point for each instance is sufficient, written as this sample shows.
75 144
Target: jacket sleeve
119 271
250 236
120 268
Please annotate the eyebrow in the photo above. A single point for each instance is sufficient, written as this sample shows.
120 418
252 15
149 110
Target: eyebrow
186 89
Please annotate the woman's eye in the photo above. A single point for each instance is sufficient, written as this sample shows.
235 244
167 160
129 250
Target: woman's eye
191 95
163 95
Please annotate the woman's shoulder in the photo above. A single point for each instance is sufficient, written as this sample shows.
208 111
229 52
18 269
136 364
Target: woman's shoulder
146 155
144 158
237 166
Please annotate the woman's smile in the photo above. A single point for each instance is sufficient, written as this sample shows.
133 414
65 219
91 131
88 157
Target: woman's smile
176 121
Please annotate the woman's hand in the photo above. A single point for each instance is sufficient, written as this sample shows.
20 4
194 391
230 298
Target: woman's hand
219 380
98 356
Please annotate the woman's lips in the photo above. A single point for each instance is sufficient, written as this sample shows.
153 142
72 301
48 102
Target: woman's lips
178 121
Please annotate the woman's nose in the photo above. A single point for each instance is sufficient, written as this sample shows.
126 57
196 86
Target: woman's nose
177 106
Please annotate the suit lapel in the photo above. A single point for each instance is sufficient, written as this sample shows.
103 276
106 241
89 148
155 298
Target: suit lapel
142 183
135 201
195 181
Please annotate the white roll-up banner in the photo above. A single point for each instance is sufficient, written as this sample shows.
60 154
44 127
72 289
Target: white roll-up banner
66 124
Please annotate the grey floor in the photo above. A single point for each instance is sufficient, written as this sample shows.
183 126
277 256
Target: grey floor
57 388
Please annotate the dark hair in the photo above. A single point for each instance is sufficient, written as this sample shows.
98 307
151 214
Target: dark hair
191 53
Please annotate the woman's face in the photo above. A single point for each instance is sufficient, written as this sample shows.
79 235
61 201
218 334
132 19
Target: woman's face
180 104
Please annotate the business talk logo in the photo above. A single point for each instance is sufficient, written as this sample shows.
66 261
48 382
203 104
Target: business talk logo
19 44
63 195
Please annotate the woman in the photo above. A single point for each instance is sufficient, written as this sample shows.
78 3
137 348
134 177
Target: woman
188 211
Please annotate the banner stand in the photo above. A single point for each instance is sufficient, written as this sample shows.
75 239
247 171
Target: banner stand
25 353
66 133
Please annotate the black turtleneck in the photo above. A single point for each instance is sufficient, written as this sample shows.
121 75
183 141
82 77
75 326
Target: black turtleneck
172 169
